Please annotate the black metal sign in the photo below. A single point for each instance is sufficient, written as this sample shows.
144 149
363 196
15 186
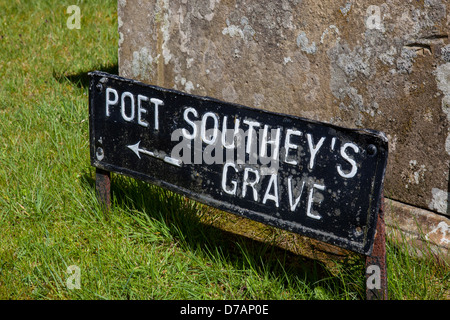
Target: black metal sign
312 178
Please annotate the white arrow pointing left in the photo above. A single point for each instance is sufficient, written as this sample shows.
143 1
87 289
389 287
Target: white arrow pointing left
135 148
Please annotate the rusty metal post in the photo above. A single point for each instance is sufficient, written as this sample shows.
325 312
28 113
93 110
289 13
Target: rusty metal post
376 271
103 188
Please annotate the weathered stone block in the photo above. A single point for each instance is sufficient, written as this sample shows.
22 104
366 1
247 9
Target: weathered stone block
383 65
426 233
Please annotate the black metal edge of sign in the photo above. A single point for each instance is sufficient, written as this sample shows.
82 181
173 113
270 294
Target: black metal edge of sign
318 180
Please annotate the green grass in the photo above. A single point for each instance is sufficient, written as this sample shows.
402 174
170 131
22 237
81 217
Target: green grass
154 244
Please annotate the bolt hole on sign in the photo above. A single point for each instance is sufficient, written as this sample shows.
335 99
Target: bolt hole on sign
316 179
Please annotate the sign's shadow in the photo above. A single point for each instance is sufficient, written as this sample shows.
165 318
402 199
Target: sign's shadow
82 79
191 224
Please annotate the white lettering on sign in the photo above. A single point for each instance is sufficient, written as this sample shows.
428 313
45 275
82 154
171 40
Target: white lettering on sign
288 145
111 102
127 107
224 179
212 139
313 149
293 204
248 177
275 143
157 103
226 132
273 184
309 211
344 155
249 146
123 105
141 110
333 142
250 183
191 123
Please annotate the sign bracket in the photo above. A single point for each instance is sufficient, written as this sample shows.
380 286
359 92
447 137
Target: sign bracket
103 189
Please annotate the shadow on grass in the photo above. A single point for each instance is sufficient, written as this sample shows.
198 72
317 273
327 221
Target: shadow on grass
186 221
81 79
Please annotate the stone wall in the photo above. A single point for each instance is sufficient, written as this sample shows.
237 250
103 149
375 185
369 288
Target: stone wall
383 65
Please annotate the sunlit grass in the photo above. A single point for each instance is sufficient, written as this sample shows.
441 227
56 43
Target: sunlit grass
154 244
